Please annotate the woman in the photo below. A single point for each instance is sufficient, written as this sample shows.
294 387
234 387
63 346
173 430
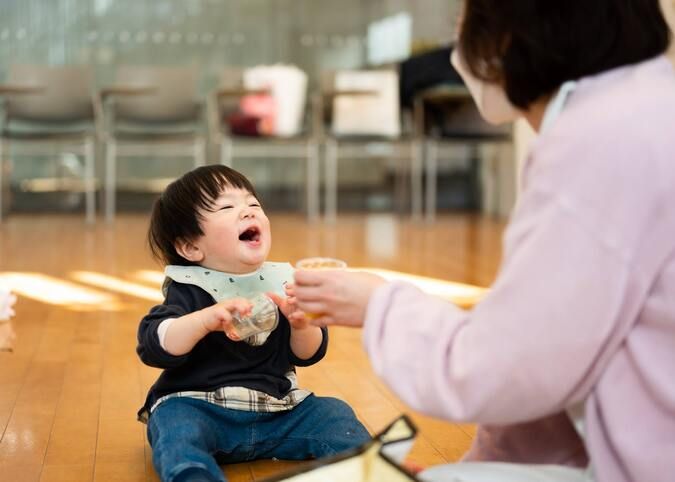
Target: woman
581 318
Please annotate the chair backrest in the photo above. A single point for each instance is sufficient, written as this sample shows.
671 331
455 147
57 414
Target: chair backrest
173 98
232 78
372 108
287 86
327 80
65 93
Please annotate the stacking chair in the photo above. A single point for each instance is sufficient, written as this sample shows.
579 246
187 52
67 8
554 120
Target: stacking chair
152 111
47 108
233 148
469 132
340 143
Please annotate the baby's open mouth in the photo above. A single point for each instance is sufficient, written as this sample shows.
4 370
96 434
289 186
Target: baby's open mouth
251 234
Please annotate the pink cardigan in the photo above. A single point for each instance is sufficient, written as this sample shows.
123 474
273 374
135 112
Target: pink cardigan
583 308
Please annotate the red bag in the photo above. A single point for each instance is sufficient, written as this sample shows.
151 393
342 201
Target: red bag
263 107
243 125
255 116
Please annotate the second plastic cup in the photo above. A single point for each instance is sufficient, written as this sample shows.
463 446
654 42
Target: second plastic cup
319 263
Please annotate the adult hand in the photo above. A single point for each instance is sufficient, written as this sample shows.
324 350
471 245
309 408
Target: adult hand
334 296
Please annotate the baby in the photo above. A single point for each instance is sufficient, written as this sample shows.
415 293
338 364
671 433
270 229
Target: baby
221 399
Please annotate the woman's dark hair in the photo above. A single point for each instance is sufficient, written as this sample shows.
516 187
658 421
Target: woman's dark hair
532 46
175 215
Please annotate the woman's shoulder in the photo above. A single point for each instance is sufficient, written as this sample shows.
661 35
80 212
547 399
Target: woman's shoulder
617 124
607 160
629 104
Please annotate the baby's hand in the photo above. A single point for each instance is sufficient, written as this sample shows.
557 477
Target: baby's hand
287 306
219 317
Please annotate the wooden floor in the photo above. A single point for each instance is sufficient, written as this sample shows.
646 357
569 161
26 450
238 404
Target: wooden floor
70 391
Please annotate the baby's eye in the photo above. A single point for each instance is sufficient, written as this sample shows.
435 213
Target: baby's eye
254 205
227 206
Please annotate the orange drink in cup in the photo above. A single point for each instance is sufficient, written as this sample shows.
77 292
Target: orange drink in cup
319 263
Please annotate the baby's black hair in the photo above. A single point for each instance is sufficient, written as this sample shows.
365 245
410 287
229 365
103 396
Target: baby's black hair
175 215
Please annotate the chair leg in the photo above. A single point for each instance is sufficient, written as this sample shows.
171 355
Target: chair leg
200 152
416 180
499 157
226 152
496 168
399 185
2 181
312 181
89 183
110 182
489 179
331 180
431 161
5 178
475 178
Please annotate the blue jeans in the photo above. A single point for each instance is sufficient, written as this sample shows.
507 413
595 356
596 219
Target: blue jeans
190 437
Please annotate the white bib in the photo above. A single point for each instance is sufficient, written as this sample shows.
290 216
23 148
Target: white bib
271 277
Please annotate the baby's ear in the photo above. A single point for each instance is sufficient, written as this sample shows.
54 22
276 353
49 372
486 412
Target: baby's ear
189 250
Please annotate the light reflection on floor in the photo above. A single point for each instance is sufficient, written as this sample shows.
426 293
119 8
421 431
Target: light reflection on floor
118 285
461 294
55 291
154 278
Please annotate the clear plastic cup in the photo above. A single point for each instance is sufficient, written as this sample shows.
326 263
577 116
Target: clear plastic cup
264 316
319 263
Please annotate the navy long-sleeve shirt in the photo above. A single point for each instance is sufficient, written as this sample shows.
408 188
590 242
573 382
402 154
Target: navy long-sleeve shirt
216 361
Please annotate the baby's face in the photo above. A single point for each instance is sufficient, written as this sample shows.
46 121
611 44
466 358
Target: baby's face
237 237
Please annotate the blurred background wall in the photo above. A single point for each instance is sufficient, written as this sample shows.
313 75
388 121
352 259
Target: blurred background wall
315 35
312 34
